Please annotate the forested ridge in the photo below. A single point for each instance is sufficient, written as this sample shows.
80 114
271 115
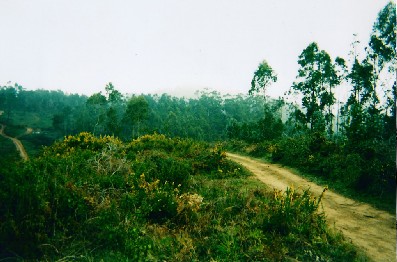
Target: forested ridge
145 176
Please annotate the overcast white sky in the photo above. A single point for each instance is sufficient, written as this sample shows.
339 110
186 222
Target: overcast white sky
174 46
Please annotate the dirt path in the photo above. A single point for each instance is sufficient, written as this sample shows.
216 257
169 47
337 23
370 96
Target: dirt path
17 143
370 229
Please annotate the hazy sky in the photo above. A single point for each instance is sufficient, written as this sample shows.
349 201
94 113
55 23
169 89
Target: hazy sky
174 46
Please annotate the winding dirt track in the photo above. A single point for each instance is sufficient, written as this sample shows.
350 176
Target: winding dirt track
368 228
17 143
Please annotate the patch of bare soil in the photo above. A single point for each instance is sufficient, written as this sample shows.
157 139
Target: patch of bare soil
29 130
370 229
17 143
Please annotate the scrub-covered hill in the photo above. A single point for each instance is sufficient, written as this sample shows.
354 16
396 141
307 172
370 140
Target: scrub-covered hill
154 199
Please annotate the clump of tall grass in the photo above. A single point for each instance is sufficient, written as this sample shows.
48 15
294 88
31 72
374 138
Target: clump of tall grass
291 212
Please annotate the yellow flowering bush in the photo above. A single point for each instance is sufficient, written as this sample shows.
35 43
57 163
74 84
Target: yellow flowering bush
188 201
188 205
82 141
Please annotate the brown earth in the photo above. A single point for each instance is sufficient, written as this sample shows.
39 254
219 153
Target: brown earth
17 143
372 230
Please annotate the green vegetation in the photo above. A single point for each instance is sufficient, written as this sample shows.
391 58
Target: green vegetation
143 177
365 172
151 199
263 78
8 152
355 150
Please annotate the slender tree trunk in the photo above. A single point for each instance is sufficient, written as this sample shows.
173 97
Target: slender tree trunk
330 114
394 89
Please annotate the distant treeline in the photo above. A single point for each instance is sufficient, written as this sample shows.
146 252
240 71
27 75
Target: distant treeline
208 117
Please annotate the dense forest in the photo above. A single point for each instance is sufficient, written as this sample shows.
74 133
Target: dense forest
127 173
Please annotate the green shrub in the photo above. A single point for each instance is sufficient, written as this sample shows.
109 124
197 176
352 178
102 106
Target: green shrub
293 150
294 213
165 167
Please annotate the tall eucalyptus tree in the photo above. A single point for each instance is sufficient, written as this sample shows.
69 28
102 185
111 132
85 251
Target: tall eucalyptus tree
317 77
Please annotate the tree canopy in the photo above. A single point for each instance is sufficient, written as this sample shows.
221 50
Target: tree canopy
263 77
